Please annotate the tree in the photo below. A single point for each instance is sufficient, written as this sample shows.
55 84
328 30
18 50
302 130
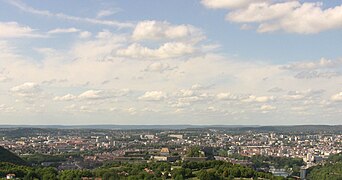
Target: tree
205 175
194 152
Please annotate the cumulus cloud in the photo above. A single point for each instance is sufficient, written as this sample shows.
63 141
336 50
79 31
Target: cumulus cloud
28 89
231 4
92 94
226 96
104 45
324 68
302 95
153 96
260 12
289 16
167 50
307 18
337 97
85 34
67 97
267 107
6 108
259 99
314 65
87 95
4 77
186 93
15 30
156 30
63 30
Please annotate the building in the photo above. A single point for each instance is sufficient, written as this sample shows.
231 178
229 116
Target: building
10 176
279 172
166 158
165 152
303 171
178 136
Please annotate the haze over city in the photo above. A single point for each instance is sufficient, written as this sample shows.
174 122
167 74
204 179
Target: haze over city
264 62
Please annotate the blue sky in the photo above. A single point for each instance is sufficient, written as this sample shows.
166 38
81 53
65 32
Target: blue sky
170 62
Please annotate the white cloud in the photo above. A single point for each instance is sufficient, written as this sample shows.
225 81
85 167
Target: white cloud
14 30
337 97
228 4
87 95
267 107
156 30
94 64
186 93
63 30
92 94
313 65
308 18
304 95
226 96
260 99
167 50
67 97
107 12
189 99
260 12
6 108
153 96
103 46
27 89
22 6
85 34
288 16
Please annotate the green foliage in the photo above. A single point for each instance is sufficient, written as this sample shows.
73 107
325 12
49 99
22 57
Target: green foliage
194 152
136 171
335 158
332 170
74 174
39 158
224 169
207 175
9 168
7 156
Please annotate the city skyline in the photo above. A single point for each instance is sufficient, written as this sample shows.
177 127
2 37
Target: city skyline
237 62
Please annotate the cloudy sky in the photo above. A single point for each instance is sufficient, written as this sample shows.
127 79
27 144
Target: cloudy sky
257 62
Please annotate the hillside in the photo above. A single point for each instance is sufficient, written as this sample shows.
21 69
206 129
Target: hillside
332 170
7 156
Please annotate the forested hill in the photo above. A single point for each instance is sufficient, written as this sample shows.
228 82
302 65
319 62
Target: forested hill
332 170
7 156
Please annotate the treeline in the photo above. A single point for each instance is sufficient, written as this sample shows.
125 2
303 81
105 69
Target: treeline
223 170
28 173
332 170
7 156
205 170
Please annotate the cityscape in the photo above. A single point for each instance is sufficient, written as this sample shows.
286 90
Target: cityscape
283 152
171 90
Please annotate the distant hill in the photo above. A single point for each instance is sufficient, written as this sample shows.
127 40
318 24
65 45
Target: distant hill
120 127
8 156
297 129
23 130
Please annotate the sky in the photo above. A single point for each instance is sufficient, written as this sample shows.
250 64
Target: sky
231 62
